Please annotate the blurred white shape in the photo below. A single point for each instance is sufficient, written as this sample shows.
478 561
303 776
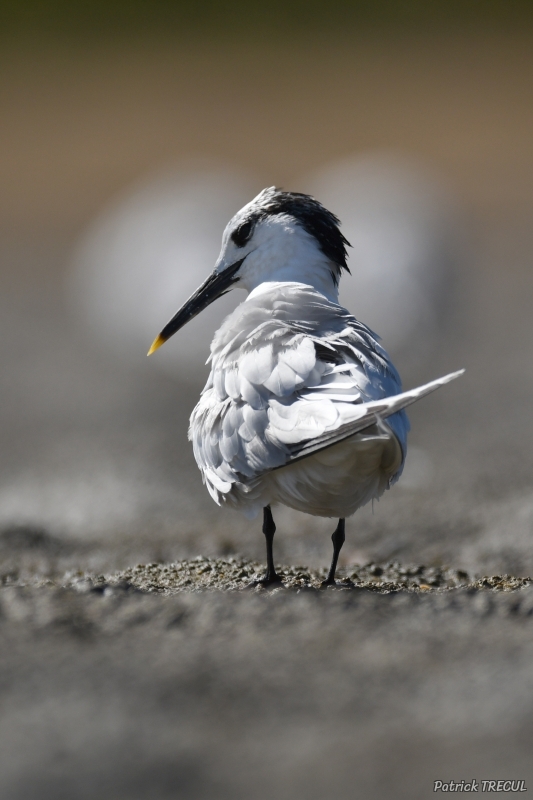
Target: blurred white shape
402 226
143 256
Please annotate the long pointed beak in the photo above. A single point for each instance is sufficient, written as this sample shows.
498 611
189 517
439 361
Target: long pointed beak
217 284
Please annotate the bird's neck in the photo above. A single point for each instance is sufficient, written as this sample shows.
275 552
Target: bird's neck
315 273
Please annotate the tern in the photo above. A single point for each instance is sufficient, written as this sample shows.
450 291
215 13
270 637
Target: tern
303 405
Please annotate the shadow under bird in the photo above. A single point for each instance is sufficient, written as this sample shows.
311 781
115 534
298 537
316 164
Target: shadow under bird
303 405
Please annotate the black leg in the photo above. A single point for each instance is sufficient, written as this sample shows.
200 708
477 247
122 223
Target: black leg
269 529
337 537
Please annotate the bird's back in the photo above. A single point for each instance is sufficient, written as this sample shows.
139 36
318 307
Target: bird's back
287 366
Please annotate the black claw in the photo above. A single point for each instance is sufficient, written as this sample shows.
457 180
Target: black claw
346 584
266 583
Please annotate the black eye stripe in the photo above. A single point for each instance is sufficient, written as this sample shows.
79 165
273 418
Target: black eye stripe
242 234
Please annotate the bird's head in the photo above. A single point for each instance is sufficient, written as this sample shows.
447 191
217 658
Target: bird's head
278 236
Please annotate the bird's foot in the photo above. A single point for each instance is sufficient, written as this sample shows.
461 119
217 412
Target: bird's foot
272 581
346 584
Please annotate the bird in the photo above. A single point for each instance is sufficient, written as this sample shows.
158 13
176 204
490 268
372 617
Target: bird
303 406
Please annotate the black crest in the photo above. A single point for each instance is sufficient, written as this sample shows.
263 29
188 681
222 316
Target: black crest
314 218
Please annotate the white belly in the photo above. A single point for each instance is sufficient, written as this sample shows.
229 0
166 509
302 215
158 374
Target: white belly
334 482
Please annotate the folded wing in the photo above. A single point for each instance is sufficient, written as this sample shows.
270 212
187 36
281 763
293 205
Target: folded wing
283 387
366 415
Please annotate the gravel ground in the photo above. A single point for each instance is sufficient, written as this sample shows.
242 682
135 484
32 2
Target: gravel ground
165 681
216 574
169 680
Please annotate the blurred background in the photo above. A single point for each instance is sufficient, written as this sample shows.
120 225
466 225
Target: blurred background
130 132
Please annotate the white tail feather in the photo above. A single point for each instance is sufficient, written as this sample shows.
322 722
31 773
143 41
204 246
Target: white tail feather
368 414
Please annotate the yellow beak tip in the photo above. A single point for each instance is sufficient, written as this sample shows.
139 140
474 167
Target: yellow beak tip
156 344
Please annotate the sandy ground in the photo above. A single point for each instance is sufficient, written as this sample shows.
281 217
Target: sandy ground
117 682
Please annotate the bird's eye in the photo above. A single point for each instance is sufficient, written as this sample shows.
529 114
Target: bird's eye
242 234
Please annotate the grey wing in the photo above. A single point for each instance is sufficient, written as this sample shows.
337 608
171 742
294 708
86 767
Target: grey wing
282 387
288 386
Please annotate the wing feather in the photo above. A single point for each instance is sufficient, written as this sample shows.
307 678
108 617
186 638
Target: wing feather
366 415
291 374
